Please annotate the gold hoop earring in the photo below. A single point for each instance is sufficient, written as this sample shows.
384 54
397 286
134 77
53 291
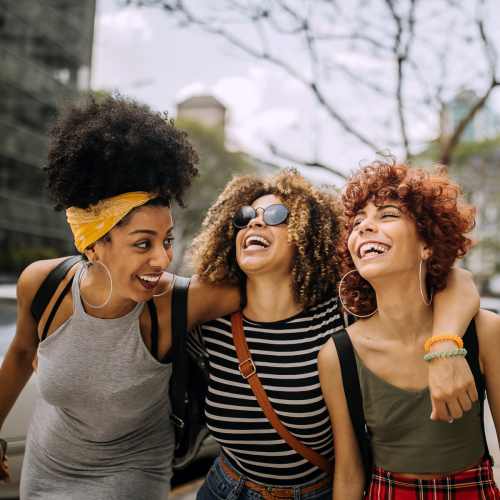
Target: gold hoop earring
420 285
167 289
86 267
342 302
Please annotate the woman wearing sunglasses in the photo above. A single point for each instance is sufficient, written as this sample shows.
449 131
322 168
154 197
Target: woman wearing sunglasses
405 229
277 239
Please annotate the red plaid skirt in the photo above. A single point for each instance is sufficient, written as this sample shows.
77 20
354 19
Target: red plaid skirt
475 483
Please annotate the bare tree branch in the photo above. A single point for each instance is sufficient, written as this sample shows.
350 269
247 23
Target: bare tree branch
349 45
401 53
311 85
488 47
306 163
450 145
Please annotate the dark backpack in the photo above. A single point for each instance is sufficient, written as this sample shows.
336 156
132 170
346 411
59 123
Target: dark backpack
189 381
188 385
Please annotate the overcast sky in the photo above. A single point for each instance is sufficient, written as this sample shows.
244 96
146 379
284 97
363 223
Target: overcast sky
142 53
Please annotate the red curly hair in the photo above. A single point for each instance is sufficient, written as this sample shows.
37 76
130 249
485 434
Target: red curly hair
432 200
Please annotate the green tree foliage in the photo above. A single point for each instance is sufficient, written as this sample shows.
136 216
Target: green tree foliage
217 166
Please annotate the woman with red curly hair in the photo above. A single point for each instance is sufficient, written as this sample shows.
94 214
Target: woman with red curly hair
405 228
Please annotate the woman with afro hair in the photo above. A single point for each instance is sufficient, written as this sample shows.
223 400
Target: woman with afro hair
277 239
101 429
405 228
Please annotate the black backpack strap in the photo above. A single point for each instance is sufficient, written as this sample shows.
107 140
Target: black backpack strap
179 382
50 284
153 313
472 345
54 309
352 391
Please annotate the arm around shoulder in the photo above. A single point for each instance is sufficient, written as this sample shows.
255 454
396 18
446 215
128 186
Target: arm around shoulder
456 305
451 382
208 301
348 476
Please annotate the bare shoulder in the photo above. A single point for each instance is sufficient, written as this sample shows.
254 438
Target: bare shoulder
33 276
328 359
328 351
357 328
208 301
488 327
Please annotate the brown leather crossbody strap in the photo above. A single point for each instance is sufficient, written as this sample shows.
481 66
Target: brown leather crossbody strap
248 372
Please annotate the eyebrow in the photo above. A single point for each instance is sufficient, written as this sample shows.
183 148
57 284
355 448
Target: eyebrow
382 207
149 231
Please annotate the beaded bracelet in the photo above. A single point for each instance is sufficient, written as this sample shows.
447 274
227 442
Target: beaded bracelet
445 354
439 338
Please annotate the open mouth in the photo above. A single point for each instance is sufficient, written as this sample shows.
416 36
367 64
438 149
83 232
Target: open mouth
255 242
149 281
372 249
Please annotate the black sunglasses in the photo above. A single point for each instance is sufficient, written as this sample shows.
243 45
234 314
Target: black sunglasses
273 215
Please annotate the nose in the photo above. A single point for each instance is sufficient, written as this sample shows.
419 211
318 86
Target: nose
367 225
258 220
161 258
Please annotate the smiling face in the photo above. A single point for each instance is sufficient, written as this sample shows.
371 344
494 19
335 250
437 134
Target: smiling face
138 252
384 240
261 248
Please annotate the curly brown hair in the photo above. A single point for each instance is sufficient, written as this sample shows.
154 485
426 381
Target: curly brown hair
313 230
431 199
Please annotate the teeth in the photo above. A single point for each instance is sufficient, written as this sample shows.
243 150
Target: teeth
372 247
151 279
256 240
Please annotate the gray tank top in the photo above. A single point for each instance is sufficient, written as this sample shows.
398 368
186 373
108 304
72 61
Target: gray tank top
405 439
101 428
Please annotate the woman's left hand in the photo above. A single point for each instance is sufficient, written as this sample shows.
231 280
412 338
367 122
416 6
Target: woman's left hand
452 387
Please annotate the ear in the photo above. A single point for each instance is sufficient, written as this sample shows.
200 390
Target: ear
90 253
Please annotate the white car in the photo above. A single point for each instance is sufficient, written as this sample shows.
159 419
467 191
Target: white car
16 424
491 303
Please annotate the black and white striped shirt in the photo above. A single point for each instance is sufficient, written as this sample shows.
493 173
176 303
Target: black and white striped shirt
284 354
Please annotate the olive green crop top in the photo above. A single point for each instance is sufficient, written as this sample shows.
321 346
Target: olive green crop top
405 439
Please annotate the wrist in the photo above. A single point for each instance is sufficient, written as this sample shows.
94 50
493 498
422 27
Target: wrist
456 352
431 342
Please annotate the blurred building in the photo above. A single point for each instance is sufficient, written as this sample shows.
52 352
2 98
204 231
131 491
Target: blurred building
478 172
204 109
45 59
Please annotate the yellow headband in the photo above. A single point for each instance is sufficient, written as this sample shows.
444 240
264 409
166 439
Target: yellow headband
90 224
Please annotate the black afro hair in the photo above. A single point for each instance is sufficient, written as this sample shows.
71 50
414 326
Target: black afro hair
114 145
